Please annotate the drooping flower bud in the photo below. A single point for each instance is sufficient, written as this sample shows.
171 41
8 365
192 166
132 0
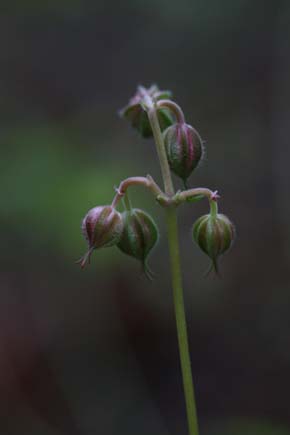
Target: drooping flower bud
140 235
184 149
102 227
214 234
135 113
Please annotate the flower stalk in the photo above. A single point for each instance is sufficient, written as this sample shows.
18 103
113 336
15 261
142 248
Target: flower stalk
147 182
188 387
164 166
173 242
179 148
175 109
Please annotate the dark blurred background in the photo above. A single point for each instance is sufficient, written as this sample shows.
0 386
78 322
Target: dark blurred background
95 351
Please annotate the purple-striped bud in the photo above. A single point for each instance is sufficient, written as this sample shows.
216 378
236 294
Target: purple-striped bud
102 227
214 234
140 235
184 149
135 113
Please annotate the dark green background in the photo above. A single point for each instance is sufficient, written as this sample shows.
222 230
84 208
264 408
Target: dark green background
95 351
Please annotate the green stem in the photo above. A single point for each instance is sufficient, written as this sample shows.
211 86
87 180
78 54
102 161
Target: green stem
169 104
213 208
127 202
137 181
172 232
166 175
186 195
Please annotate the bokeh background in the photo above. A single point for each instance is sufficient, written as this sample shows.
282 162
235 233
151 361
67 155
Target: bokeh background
95 351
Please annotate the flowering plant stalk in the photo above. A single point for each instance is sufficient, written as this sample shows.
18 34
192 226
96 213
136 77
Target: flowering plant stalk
180 149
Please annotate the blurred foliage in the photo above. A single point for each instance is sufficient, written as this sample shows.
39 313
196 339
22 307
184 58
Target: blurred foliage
92 346
243 427
51 186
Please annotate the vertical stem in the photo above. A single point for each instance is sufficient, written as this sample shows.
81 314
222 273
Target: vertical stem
172 231
127 202
153 118
213 208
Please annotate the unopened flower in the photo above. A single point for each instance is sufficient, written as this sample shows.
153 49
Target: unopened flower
214 234
102 227
136 114
184 149
139 236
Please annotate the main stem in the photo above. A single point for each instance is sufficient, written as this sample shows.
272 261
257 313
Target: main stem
172 233
165 170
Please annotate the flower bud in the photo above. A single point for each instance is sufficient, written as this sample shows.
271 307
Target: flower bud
140 235
102 227
214 234
135 113
184 149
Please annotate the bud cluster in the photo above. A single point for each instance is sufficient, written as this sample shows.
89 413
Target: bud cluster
134 231
180 149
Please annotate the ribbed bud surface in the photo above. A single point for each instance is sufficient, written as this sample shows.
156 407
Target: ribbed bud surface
140 235
214 235
102 227
184 149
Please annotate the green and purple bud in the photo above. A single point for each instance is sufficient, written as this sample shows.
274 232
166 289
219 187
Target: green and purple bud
214 234
184 149
140 235
136 114
102 227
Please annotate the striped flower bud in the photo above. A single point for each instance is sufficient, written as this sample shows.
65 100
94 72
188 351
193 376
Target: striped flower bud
135 113
214 234
102 227
184 149
140 235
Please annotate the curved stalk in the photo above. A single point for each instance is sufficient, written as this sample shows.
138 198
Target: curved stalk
174 108
137 181
186 195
